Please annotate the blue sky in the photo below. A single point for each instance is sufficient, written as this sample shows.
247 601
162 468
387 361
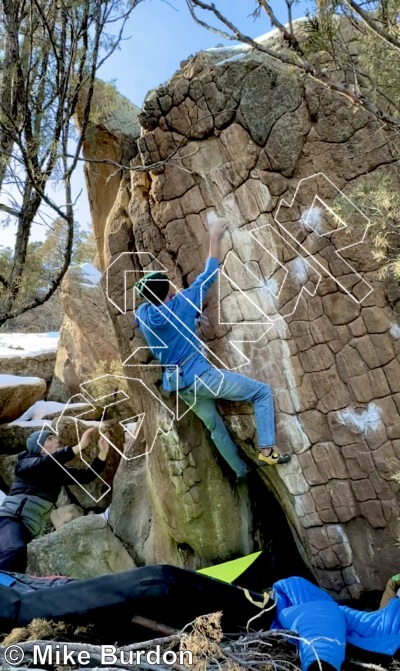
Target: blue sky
161 34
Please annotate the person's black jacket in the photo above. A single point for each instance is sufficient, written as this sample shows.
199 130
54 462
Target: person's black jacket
44 476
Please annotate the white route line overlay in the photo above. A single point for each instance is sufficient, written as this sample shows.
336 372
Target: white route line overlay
202 347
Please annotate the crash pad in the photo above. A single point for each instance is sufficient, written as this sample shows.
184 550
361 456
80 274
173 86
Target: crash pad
230 570
170 595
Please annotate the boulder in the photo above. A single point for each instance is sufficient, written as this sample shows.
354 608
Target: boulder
13 436
83 548
7 467
17 393
31 354
87 347
331 356
65 514
111 135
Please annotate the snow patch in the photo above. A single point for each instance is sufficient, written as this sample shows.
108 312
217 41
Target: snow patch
16 380
264 39
362 421
395 330
238 48
27 344
30 423
41 409
232 59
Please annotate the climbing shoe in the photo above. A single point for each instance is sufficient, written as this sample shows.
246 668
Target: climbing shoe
273 458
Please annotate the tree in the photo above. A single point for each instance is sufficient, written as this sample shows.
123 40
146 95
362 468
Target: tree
51 51
362 79
44 259
353 48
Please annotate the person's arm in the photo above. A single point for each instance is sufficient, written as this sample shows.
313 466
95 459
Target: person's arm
216 233
31 469
86 475
200 286
45 466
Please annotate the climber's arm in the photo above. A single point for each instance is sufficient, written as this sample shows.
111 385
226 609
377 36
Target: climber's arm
198 289
86 475
216 233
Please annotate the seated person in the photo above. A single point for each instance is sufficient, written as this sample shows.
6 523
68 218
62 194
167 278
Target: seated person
39 476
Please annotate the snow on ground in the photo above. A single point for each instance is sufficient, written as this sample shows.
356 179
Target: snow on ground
16 380
262 39
27 344
41 409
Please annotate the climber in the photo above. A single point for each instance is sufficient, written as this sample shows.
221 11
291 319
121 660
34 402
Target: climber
169 318
39 476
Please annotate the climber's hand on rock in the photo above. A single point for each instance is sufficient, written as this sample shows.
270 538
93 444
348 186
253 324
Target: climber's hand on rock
85 440
218 228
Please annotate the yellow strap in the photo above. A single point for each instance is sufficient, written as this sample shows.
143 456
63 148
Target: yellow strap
260 604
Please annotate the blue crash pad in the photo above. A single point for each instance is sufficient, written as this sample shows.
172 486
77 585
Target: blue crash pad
324 627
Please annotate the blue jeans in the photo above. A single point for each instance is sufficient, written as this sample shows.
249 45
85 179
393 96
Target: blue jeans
231 387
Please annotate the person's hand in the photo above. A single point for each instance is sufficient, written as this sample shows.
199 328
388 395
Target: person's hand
103 446
218 228
86 436
85 440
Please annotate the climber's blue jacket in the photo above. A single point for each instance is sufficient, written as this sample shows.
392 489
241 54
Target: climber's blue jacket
324 627
170 328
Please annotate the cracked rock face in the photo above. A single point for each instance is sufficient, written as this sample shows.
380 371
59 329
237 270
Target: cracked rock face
269 152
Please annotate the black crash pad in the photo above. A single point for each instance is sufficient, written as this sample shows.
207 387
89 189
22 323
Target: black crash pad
166 594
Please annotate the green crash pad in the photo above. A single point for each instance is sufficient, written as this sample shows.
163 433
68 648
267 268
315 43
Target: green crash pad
230 570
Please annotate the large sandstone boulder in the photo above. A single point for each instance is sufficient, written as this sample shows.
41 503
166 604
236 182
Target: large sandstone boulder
301 303
83 548
13 437
111 136
7 467
17 393
88 347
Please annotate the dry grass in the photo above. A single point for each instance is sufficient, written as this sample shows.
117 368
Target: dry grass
211 648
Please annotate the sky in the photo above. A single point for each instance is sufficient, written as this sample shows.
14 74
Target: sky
159 35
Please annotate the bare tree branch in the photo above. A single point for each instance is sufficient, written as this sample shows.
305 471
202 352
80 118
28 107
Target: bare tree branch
373 25
317 73
288 36
52 53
